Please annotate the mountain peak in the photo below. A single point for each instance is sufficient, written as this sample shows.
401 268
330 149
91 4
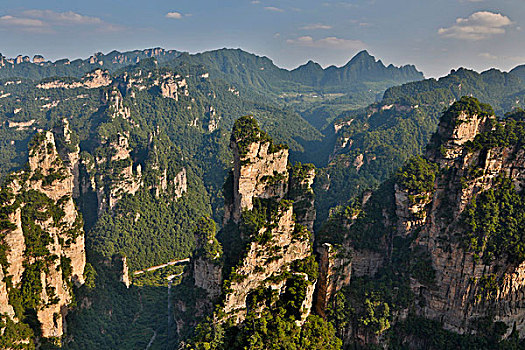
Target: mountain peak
362 56
310 65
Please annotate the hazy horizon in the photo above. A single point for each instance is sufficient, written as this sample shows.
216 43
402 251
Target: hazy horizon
435 37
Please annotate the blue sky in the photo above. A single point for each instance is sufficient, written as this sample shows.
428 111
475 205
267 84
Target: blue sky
436 36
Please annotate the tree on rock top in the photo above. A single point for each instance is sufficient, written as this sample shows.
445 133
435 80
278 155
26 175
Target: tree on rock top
246 131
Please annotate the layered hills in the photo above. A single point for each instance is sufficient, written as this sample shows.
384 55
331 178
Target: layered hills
370 144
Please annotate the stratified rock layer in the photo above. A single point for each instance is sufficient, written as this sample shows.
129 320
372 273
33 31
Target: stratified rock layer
44 234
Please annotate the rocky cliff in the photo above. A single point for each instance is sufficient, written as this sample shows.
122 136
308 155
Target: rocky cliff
260 168
274 239
447 225
113 172
207 262
42 241
267 263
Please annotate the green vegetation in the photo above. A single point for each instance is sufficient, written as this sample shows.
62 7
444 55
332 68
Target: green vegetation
208 245
400 126
111 316
258 223
13 333
469 106
157 231
418 175
431 335
246 131
152 227
37 207
494 223
364 225
509 133
274 329
369 304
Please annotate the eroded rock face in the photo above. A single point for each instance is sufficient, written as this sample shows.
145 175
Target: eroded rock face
213 119
96 79
411 210
261 178
171 86
180 183
5 307
257 173
208 276
69 151
115 174
467 287
457 298
45 235
124 275
264 260
336 270
301 192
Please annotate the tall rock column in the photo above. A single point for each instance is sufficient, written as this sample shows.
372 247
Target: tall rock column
260 167
43 239
274 243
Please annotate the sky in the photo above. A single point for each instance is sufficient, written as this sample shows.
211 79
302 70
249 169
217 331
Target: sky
436 36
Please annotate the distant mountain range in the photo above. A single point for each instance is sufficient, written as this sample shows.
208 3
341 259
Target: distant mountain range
39 67
235 65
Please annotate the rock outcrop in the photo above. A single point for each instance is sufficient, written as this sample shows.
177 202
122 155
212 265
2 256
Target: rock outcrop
301 180
260 185
460 271
208 276
124 273
171 86
213 118
260 168
93 80
460 295
115 174
69 151
264 262
43 239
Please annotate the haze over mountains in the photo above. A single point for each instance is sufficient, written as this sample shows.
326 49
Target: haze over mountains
361 68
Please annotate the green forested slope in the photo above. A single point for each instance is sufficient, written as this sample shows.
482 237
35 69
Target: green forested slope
387 133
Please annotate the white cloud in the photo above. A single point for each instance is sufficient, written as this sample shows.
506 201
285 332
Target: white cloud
488 56
330 42
174 15
22 22
62 18
492 57
256 2
273 9
48 21
316 26
478 26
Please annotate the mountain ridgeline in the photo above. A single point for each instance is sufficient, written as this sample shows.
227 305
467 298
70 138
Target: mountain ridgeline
38 68
234 65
